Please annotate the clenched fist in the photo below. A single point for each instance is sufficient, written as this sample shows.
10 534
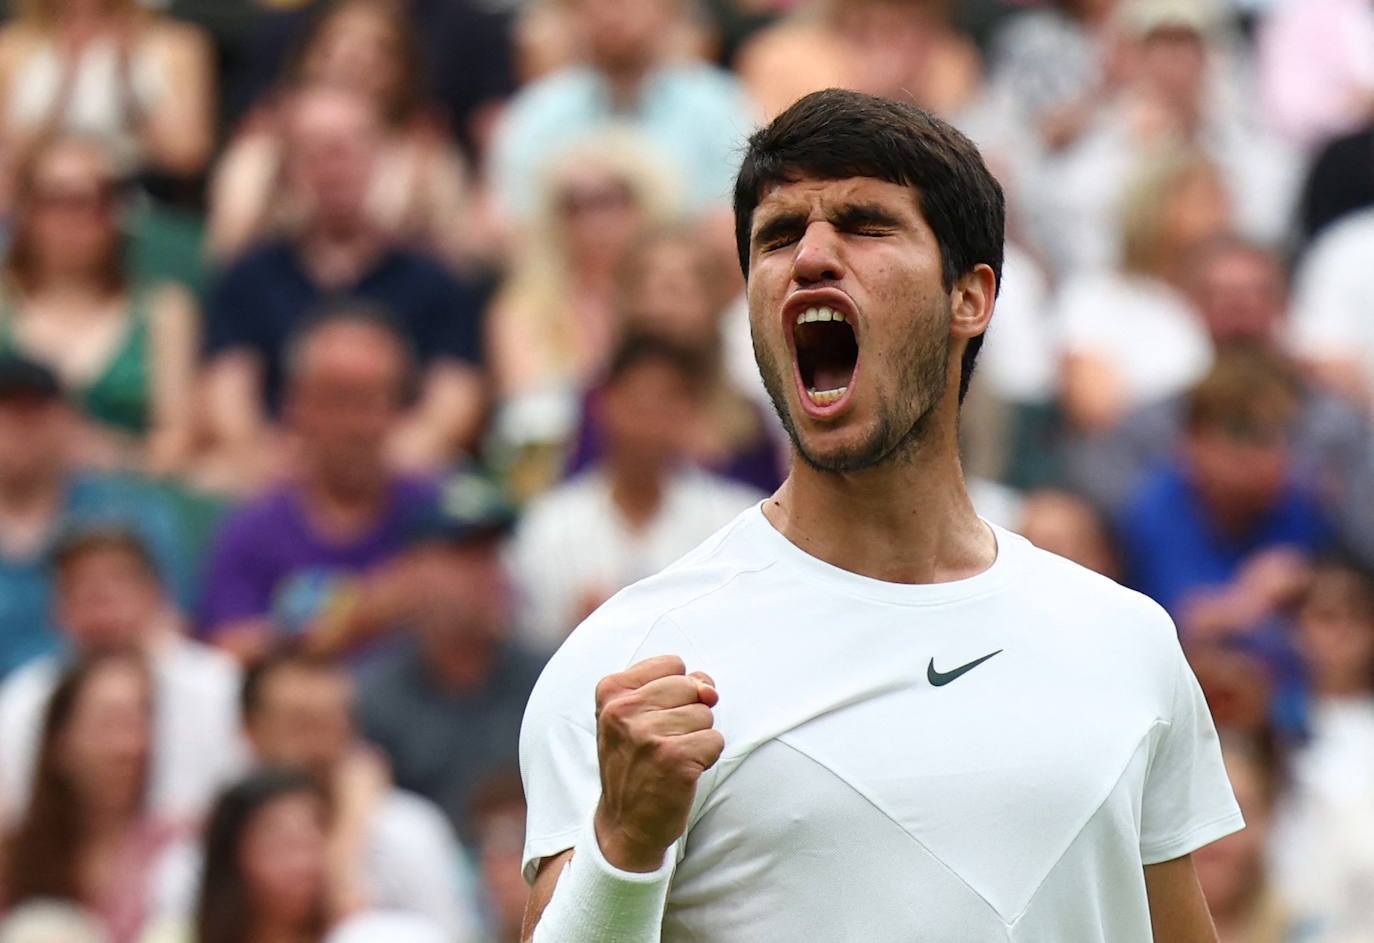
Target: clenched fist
654 740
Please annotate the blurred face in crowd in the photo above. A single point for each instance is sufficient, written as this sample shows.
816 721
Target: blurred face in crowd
303 718
501 840
332 138
358 49
282 858
1241 293
1067 525
1196 210
624 34
599 215
1171 62
668 292
344 398
1231 869
68 211
462 592
105 749
1240 466
1336 633
107 600
1236 685
44 426
648 413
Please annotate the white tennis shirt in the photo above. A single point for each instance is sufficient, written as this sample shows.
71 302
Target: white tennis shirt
883 778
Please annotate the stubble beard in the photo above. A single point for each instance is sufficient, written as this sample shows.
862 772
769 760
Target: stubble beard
903 419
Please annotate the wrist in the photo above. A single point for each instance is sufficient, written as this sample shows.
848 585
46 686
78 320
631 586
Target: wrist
621 852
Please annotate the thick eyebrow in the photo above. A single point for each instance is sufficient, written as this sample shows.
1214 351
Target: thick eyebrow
783 224
853 216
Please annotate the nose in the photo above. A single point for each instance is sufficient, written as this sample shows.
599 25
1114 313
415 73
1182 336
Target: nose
818 258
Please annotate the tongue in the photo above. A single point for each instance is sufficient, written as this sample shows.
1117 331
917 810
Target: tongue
830 376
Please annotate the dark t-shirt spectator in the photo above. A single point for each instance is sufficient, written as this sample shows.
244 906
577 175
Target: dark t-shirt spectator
1340 181
263 296
1173 547
268 559
441 742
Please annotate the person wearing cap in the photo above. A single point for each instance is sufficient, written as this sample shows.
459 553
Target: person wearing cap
445 705
43 492
314 552
108 596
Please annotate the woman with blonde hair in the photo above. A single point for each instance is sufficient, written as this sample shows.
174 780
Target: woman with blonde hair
111 70
420 191
1129 336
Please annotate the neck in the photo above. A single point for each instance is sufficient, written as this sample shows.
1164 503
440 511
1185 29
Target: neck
626 80
340 505
69 288
637 491
462 663
907 521
107 822
1341 688
338 256
269 929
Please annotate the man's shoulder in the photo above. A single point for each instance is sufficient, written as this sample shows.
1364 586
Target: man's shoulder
263 260
260 514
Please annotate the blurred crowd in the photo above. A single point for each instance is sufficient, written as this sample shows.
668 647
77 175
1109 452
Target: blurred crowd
352 352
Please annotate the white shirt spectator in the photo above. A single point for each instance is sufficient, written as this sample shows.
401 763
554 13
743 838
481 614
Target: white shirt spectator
198 746
1148 331
1333 293
1018 361
573 547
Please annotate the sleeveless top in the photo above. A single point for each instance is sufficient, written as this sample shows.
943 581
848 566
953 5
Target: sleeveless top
121 394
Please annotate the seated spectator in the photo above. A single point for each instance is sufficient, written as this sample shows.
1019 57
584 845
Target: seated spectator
1239 290
333 141
418 194
108 597
289 559
1200 524
1165 100
1340 181
125 349
1331 329
1153 345
88 835
112 71
639 509
1067 524
554 322
498 817
1245 907
42 492
394 850
905 49
446 706
51 922
694 114
666 289
1323 857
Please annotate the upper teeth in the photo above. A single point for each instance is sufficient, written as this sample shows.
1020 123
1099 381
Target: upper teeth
820 314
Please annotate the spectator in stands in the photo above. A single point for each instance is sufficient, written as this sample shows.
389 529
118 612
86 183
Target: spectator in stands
126 350
311 554
418 192
694 115
1154 345
498 817
905 49
393 849
636 511
333 141
88 835
1332 330
446 706
1316 76
1210 522
1245 906
109 598
1239 290
1067 524
42 492
1340 181
1323 855
108 69
668 286
1165 101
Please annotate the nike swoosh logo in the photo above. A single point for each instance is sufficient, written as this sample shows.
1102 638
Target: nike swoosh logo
941 678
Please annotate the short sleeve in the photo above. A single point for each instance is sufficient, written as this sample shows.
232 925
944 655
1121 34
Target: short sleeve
238 584
1188 800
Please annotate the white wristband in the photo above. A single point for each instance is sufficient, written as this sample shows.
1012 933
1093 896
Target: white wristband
596 902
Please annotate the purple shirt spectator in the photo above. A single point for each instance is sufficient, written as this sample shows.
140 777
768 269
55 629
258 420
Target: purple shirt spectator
269 560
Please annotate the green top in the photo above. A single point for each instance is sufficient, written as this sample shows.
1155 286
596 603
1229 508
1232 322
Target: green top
121 395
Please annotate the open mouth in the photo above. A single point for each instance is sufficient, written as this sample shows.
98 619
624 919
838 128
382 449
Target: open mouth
827 352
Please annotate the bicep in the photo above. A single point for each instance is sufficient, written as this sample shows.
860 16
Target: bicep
541 891
1178 911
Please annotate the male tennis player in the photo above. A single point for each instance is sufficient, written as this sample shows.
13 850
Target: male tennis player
927 730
